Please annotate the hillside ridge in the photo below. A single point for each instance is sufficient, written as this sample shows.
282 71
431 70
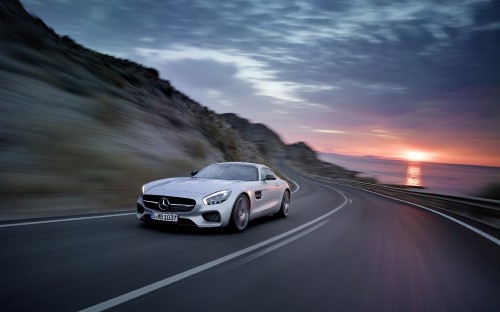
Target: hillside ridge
82 131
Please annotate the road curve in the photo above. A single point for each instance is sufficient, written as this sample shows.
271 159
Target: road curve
341 249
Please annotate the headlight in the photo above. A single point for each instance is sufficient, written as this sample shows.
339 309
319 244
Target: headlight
217 198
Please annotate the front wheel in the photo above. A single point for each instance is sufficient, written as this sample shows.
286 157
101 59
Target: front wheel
285 205
240 214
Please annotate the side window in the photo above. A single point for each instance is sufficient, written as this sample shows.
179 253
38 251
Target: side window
264 172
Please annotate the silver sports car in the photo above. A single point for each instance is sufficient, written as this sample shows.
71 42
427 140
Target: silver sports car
223 194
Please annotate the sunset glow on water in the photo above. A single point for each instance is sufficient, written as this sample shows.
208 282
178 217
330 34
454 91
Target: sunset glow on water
414 175
462 180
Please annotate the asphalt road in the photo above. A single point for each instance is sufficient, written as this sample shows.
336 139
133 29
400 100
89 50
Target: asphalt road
341 249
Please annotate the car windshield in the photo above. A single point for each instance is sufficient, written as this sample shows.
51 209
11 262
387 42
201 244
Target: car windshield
229 172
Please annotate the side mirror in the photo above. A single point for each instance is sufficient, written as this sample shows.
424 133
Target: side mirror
269 177
194 172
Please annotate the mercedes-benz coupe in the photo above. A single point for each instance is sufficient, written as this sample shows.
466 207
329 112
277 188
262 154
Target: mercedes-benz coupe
228 194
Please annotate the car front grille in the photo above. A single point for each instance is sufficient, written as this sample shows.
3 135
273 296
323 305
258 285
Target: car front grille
175 204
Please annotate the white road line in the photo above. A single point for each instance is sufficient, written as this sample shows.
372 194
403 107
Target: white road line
67 219
288 178
170 280
286 241
276 246
296 184
470 227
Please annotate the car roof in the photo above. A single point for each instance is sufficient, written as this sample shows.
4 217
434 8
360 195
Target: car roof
242 163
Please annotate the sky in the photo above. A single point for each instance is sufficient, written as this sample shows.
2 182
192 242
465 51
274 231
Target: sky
406 79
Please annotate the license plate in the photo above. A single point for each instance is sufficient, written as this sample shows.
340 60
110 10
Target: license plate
167 217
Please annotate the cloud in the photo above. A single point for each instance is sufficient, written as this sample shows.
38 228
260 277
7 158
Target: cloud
257 73
411 68
35 2
246 68
329 131
375 133
147 39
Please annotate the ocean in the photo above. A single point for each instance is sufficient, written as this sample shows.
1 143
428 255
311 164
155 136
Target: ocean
450 179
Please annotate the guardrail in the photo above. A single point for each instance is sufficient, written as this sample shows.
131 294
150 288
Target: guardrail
482 210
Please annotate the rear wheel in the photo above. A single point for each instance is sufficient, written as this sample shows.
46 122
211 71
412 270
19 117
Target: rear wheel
240 214
285 205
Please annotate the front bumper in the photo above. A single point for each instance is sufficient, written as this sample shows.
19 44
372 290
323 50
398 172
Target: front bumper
203 216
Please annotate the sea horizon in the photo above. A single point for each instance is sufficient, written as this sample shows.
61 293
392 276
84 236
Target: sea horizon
433 177
404 160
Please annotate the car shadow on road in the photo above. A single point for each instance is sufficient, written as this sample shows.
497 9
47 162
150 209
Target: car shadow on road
193 230
263 220
181 229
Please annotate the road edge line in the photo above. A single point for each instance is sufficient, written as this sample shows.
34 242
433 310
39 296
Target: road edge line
468 226
66 219
180 276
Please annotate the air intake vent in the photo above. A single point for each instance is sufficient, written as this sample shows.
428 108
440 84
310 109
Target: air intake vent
211 216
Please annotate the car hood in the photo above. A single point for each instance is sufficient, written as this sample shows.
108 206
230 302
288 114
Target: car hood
187 187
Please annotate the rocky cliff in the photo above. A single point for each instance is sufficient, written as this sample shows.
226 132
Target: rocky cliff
267 141
82 131
301 156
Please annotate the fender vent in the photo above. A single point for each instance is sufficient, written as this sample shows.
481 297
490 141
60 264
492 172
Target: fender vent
258 194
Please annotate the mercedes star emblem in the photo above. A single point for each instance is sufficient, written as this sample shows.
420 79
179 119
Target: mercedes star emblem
164 203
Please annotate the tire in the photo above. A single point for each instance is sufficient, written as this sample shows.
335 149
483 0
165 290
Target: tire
240 214
285 205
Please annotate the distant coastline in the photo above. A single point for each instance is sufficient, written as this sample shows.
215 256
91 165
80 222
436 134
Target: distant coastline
450 179
368 157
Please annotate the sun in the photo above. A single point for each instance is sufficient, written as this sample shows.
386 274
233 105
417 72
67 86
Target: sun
416 156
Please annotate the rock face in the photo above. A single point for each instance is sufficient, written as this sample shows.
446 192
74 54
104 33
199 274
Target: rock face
304 158
78 126
267 141
81 131
301 152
